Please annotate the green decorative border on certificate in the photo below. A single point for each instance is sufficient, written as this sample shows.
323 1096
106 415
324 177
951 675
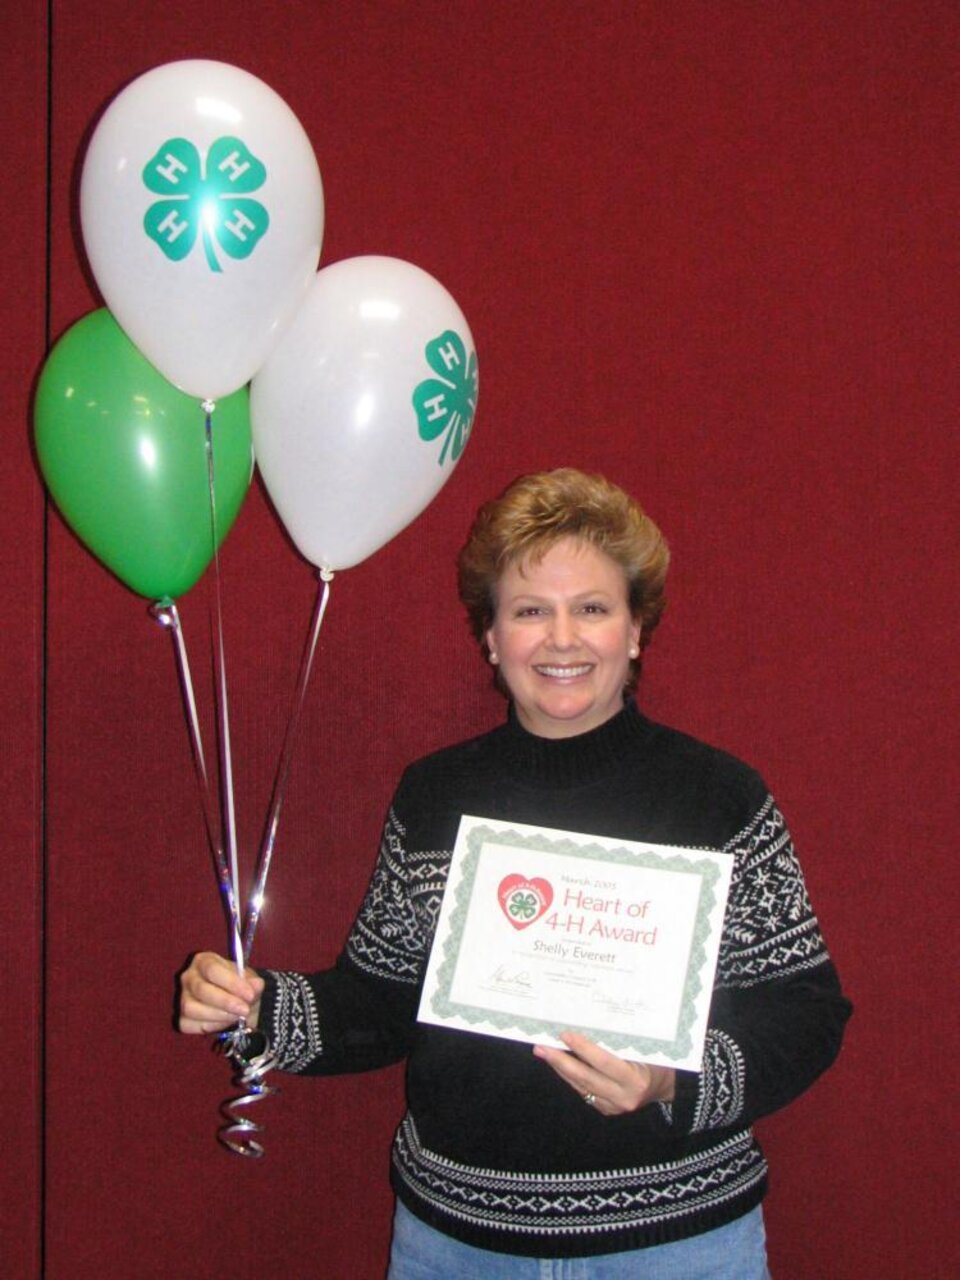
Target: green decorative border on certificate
682 863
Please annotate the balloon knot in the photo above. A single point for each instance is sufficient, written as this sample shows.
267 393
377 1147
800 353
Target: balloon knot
163 611
208 406
326 575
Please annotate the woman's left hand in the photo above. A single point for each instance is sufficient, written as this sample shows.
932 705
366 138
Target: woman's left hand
610 1084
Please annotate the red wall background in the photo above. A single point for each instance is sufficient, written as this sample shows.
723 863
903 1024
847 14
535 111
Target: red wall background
708 249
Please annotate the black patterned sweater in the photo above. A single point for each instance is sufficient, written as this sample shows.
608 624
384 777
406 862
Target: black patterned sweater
495 1149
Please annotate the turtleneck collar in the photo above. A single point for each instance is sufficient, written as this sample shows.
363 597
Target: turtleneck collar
578 760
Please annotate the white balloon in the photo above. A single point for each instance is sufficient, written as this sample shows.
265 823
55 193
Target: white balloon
364 407
202 213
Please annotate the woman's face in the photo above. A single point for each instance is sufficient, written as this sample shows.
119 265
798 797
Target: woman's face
563 637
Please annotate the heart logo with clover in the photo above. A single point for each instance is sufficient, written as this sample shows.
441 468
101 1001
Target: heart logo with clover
524 901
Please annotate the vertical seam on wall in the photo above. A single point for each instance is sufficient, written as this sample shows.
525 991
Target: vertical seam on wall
44 641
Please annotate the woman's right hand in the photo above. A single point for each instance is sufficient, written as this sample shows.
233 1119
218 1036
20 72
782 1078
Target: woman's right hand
213 996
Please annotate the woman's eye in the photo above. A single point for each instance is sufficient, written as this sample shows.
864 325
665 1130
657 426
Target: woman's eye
594 608
529 611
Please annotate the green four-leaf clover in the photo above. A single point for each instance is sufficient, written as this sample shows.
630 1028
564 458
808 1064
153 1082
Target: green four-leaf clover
205 200
447 404
523 905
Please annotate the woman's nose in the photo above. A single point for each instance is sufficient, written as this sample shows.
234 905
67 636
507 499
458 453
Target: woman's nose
563 631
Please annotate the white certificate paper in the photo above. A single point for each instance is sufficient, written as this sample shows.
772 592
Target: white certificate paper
542 931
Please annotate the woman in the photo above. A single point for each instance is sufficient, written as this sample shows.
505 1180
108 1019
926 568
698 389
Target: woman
510 1155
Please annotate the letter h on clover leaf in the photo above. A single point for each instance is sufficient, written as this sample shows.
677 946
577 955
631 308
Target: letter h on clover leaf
208 201
446 405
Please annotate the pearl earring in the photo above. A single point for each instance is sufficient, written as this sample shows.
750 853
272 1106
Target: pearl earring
494 659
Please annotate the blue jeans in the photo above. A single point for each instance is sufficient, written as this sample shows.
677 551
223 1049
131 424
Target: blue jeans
734 1252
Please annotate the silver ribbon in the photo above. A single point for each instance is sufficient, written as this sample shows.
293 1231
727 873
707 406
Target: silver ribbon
251 1055
248 1050
165 613
255 906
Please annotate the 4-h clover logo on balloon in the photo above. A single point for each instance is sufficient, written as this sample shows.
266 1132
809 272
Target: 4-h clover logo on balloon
447 403
205 200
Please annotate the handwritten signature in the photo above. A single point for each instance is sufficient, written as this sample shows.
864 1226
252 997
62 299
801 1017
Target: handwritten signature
505 977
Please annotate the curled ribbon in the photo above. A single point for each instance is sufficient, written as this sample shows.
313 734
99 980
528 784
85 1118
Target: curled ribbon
248 1049
252 1057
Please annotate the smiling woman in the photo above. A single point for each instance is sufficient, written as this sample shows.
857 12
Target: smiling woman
508 1157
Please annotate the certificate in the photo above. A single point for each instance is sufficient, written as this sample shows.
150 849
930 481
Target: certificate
542 931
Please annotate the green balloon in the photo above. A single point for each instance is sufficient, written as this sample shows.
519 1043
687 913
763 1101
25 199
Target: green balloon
124 455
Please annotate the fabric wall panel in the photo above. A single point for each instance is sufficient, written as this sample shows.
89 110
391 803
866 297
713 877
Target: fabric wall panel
22 322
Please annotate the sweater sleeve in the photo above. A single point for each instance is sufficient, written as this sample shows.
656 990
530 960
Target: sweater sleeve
777 1015
360 1014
